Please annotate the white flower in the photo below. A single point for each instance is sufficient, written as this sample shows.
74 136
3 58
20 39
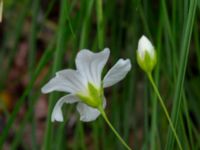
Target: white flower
146 54
85 85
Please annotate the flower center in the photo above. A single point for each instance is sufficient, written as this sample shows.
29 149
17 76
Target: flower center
94 97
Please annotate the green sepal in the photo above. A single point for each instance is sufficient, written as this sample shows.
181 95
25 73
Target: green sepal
94 98
147 63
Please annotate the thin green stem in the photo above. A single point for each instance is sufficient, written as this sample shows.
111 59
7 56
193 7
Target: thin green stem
100 24
86 24
165 109
56 66
113 129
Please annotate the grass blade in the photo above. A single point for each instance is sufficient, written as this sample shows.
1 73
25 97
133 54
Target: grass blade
181 71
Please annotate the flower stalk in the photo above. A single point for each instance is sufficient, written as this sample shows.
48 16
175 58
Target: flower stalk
164 108
112 128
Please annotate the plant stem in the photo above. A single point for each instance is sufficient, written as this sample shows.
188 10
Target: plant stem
165 109
113 129
100 24
60 49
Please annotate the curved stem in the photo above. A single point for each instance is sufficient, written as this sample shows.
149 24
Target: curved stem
165 109
113 129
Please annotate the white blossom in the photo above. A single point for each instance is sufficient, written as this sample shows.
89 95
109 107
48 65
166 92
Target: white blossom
85 84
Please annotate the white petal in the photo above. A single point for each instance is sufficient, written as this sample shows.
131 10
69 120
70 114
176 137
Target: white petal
145 45
88 113
90 64
117 72
74 77
66 81
57 110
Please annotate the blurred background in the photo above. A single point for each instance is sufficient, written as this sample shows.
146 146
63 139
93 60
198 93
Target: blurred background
40 37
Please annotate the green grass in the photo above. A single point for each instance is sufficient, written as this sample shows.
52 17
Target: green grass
54 31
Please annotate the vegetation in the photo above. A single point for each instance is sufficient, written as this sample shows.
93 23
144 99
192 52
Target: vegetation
40 37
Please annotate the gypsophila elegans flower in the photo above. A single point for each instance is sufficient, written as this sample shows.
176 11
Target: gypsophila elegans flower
85 85
146 54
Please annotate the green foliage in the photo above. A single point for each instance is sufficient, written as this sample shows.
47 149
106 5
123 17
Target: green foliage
51 32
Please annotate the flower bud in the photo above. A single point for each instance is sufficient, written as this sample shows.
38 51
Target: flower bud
146 54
